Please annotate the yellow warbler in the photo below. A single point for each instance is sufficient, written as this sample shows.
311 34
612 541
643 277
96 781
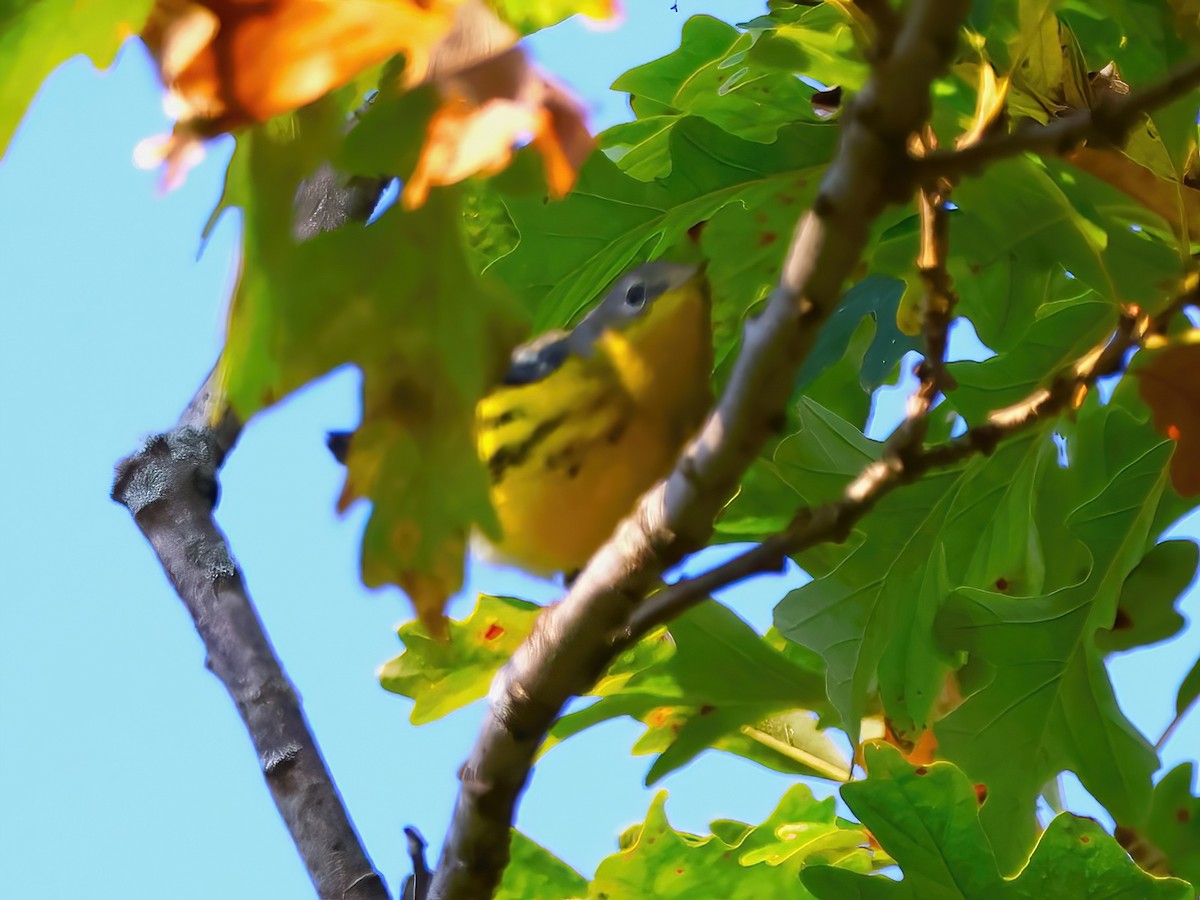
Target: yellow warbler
587 420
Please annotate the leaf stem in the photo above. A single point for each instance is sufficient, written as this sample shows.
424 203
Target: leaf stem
827 769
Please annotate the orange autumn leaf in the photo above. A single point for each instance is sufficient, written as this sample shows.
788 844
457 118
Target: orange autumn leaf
487 110
1170 385
228 63
919 753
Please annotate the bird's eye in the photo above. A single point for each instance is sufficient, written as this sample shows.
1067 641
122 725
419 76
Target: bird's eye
636 295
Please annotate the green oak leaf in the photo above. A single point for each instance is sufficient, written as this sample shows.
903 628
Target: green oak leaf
927 819
735 861
821 41
36 36
1173 826
1146 611
1040 700
715 683
1016 207
1189 690
1145 38
528 16
708 76
871 616
534 873
570 249
808 467
440 676
1061 332
1005 298
876 297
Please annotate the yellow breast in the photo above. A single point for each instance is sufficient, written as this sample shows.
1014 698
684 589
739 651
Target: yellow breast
569 455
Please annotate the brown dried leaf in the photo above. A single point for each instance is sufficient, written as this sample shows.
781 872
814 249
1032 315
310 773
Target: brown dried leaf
487 110
228 63
1170 385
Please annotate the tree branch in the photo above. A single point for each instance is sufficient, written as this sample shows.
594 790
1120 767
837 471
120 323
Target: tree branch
1109 121
170 487
574 641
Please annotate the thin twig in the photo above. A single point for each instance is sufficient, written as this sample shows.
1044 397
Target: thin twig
937 307
416 885
940 297
832 522
1109 121
170 487
573 642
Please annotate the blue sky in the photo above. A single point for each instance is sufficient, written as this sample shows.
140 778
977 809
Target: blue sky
124 769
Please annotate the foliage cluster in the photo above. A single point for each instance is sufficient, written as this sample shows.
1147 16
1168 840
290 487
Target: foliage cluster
959 637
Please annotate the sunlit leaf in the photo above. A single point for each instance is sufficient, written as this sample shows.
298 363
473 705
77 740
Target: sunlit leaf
534 873
822 41
530 15
712 76
927 819
443 673
743 707
765 861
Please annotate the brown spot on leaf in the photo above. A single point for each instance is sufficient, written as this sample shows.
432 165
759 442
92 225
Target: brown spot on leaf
1183 815
921 770
1002 584
493 631
767 238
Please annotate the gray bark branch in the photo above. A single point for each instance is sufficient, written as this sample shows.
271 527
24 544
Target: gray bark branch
170 487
